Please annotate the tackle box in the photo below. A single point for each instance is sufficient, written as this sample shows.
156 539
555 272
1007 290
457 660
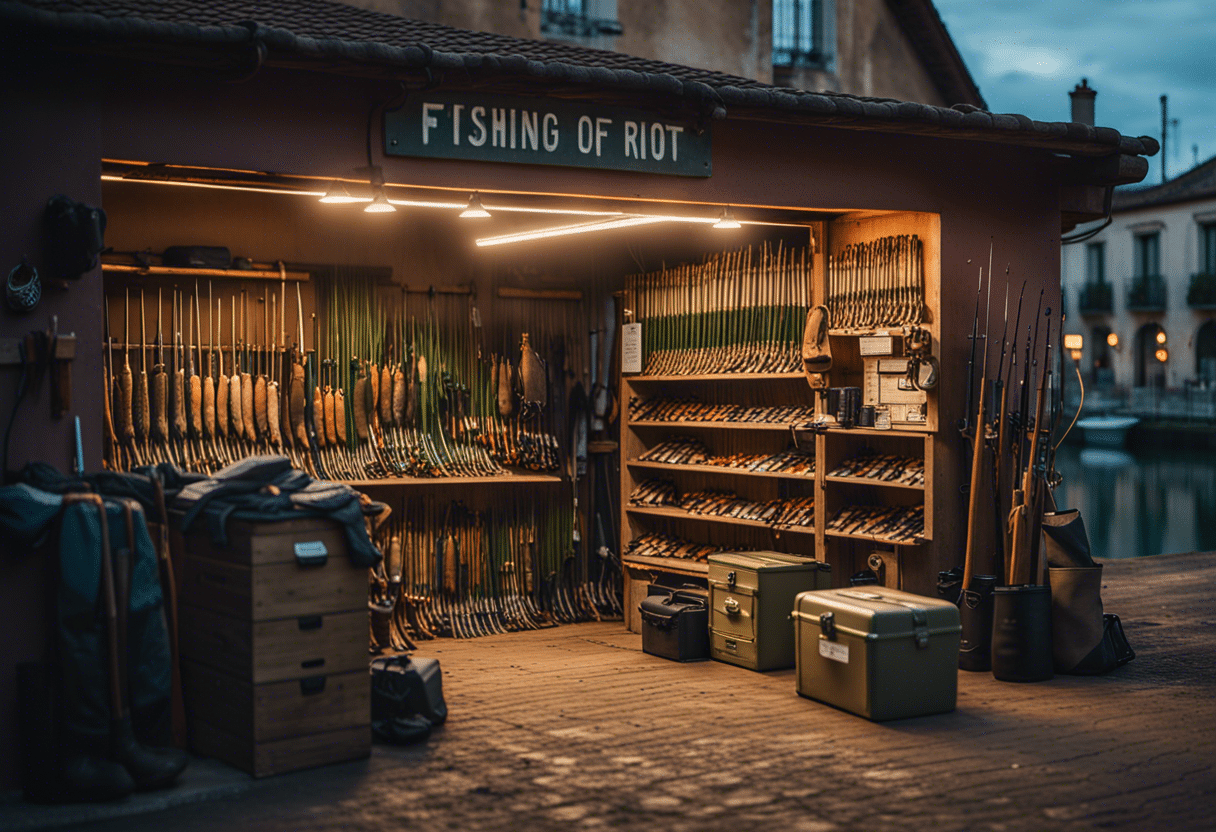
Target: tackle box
880 653
675 625
751 595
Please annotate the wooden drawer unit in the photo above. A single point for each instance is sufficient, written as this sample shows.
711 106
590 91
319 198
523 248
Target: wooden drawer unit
273 640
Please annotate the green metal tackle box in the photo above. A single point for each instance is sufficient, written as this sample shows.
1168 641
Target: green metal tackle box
880 653
751 595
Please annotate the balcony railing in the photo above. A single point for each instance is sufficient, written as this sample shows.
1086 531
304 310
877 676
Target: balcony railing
1094 299
1202 291
1146 293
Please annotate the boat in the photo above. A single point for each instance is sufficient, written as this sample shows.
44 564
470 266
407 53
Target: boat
1107 431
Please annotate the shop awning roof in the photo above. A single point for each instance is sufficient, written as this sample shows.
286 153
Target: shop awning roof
332 37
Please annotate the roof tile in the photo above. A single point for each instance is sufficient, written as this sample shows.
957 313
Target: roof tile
333 30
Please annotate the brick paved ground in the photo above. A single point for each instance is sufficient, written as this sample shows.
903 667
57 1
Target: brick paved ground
575 728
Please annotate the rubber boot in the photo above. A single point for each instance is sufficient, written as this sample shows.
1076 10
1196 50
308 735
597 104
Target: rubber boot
975 614
150 768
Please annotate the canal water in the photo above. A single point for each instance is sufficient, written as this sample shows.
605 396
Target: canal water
1145 502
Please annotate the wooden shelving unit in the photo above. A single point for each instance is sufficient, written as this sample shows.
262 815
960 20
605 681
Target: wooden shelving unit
848 553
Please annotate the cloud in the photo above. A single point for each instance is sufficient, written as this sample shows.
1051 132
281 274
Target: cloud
1026 55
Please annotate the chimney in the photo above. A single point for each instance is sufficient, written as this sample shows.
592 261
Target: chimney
1083 103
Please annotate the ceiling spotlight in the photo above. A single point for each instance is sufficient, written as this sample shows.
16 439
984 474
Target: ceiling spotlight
725 220
336 194
1112 339
474 209
380 203
1161 336
1162 355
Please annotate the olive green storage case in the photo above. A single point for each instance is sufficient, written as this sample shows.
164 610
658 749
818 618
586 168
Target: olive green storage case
751 596
880 653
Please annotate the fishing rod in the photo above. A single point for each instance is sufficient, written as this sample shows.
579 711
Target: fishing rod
964 424
977 456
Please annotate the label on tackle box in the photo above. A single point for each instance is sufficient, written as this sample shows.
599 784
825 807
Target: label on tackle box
834 651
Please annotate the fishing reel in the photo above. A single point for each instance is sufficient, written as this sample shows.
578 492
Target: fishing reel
923 367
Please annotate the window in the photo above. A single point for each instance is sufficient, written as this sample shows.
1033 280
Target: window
1147 255
1095 263
801 32
1207 248
579 18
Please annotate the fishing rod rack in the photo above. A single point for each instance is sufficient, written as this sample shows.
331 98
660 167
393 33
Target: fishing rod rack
397 390
725 445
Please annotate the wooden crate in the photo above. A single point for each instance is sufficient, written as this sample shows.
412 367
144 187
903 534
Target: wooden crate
274 650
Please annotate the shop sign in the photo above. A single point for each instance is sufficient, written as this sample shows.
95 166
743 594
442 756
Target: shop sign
541 131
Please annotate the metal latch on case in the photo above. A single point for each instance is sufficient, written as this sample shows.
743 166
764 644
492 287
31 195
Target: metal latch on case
311 552
732 606
730 578
827 624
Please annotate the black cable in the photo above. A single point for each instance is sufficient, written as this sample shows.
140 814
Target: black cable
1093 232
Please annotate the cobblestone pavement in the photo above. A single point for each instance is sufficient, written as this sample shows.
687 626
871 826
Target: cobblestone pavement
575 728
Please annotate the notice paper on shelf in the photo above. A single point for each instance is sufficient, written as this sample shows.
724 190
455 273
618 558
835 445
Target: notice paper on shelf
631 348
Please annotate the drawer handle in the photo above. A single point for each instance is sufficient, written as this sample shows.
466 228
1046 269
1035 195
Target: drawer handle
732 606
311 663
309 622
312 685
311 552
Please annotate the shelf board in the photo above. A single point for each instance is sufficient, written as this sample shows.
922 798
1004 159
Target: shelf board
906 434
682 566
176 271
870 481
681 514
874 539
722 377
717 469
410 482
654 423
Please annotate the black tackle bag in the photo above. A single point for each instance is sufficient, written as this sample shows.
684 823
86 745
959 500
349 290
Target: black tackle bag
407 698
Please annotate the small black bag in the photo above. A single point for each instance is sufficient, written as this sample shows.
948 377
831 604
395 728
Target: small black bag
75 237
675 625
407 698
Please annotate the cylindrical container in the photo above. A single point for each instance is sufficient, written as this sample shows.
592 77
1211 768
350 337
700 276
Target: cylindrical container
865 417
1021 634
833 401
975 615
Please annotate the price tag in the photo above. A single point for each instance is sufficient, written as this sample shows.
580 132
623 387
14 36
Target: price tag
631 348
834 651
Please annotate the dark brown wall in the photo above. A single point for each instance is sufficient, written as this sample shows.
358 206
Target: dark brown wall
50 144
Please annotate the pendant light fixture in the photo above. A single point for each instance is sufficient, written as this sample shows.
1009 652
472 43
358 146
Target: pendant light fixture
474 209
336 194
726 220
379 203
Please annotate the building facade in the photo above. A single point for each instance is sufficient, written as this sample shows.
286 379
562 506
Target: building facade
1143 290
882 48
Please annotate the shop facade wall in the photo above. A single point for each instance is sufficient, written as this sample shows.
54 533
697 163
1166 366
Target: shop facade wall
314 124
51 145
